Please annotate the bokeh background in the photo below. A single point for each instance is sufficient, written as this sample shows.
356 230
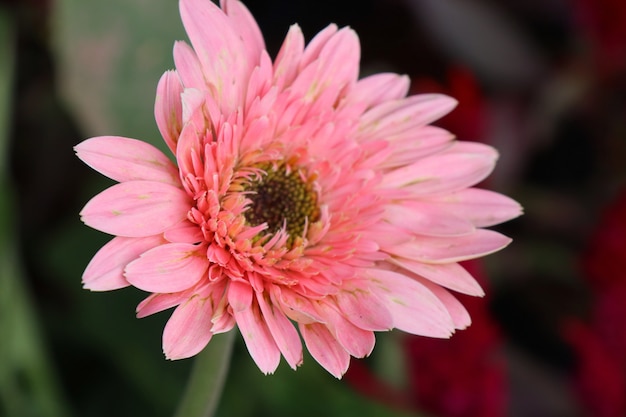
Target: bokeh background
544 81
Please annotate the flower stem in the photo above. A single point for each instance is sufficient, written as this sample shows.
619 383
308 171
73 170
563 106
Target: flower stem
208 375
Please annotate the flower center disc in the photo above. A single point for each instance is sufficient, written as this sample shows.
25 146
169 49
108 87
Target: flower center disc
281 198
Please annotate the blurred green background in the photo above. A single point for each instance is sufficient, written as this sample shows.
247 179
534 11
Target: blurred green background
535 84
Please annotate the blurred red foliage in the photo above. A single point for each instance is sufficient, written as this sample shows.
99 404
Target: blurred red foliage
600 344
602 21
604 264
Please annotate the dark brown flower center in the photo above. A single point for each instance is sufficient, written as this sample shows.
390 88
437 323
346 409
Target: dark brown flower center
281 198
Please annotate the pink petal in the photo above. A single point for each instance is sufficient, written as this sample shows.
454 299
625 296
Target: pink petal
427 219
439 250
376 89
364 309
218 255
357 342
336 67
105 272
188 67
423 139
168 109
136 209
185 232
340 56
220 50
409 113
259 85
168 268
223 320
415 309
386 235
283 332
482 207
458 313
325 349
188 331
288 58
156 303
189 149
449 275
259 340
314 47
258 132
413 144
159 302
297 307
124 159
246 27
239 295
224 323
474 148
447 171
193 101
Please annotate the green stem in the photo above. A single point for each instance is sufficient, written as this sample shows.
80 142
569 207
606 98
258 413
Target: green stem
208 375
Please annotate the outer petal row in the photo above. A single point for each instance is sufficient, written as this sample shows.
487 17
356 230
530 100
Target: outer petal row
391 117
441 250
376 89
421 217
124 159
325 349
258 338
450 275
168 268
106 270
483 208
188 331
453 169
136 209
414 308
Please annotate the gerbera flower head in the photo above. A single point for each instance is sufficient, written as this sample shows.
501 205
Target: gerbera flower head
304 204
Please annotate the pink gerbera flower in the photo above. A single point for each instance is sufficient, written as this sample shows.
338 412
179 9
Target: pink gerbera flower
304 202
